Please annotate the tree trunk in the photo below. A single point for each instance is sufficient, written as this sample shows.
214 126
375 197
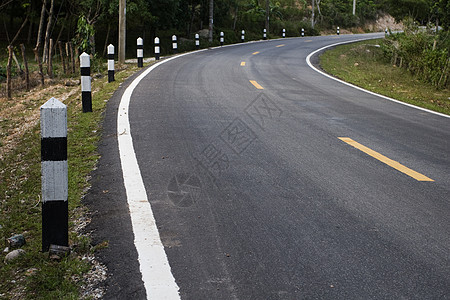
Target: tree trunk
8 72
235 16
71 57
25 63
107 38
122 30
17 63
267 15
63 61
211 19
50 59
41 25
47 32
41 72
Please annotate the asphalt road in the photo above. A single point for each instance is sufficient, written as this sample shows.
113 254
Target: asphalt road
256 194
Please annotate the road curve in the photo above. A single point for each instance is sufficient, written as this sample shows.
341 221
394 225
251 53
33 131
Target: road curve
268 180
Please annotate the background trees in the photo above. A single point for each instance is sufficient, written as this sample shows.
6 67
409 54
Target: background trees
92 24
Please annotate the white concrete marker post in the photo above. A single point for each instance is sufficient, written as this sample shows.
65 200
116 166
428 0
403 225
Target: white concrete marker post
54 174
303 32
174 44
338 31
85 70
140 52
284 32
197 41
110 63
242 36
264 34
157 48
221 38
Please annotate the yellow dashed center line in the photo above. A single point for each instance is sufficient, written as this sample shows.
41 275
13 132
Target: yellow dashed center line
254 53
282 45
392 163
256 85
243 64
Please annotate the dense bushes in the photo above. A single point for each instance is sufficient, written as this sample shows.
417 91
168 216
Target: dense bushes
423 53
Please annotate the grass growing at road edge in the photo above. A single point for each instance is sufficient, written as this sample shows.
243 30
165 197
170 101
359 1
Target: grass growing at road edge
363 64
34 275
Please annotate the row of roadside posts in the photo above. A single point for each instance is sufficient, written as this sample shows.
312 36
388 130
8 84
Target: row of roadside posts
140 44
54 142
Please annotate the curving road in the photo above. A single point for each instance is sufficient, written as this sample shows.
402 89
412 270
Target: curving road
268 180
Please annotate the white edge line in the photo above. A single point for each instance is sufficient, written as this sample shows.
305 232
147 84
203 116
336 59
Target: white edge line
153 262
154 265
308 60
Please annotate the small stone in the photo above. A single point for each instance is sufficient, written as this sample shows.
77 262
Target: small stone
16 241
6 250
30 272
55 257
13 255
72 82
58 250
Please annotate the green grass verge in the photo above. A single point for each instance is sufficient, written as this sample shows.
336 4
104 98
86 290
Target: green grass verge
34 275
364 65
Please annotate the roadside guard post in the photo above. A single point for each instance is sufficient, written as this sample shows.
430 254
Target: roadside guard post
338 31
284 33
221 38
110 63
197 41
303 32
264 34
54 172
157 48
174 44
140 52
85 70
243 36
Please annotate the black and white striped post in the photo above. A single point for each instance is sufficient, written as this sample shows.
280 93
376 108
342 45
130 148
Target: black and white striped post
284 32
110 63
85 70
54 172
385 31
222 39
140 52
303 32
338 31
264 34
174 44
242 36
197 41
157 48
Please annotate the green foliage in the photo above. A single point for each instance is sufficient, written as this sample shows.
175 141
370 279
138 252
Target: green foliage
84 34
424 54
340 12
422 11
